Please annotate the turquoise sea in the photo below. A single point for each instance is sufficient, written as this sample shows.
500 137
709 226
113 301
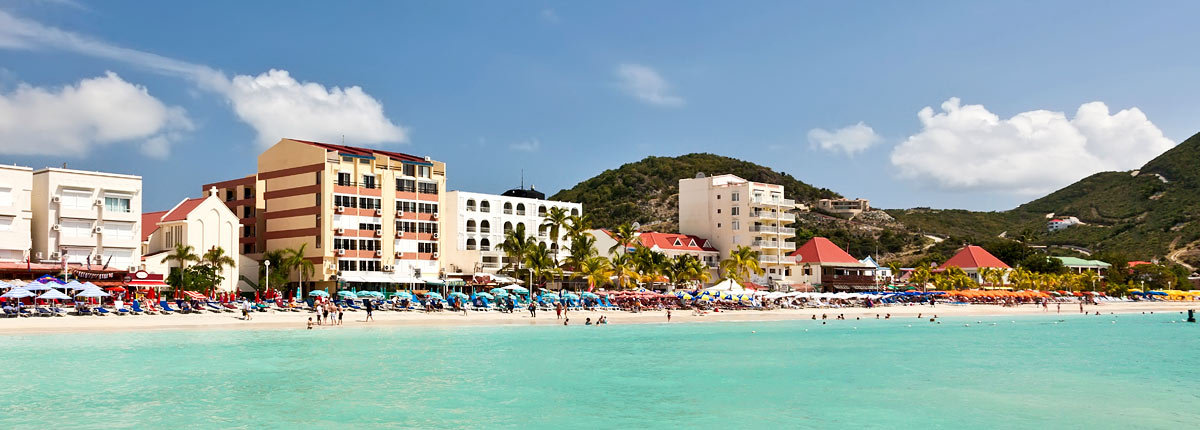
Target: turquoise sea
1143 371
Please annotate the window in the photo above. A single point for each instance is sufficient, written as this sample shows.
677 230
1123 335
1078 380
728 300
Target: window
574 212
347 265
735 211
427 227
508 208
247 248
76 199
347 244
406 185
520 209
427 208
426 247
75 228
406 226
470 226
485 245
507 227
345 201
369 245
470 244
484 206
247 212
368 181
348 159
735 225
228 195
114 230
423 171
369 226
248 193
485 226
735 196
344 179
363 161
410 170
6 223
427 188
247 231
406 206
470 205
370 203
718 210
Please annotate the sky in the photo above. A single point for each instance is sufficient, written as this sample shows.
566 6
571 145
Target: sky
975 105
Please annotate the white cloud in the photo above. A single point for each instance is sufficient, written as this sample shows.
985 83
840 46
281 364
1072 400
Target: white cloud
273 103
647 85
526 146
969 148
277 106
549 15
849 140
72 120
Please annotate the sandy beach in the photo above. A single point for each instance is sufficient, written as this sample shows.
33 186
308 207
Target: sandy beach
297 320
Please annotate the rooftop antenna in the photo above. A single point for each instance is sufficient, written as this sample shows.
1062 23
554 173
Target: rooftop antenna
522 178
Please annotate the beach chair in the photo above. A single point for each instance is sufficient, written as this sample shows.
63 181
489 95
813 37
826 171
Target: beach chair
213 307
42 312
121 311
9 312
166 307
137 308
100 310
57 311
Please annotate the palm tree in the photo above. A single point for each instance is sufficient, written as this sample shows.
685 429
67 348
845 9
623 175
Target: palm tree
216 258
279 269
1088 279
556 219
991 275
687 268
540 263
515 246
742 263
698 271
622 267
648 263
895 267
596 270
625 235
921 276
957 278
182 254
583 247
295 260
578 225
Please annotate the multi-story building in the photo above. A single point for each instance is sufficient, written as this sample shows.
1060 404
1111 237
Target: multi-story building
202 223
844 206
731 212
87 218
477 223
16 213
363 215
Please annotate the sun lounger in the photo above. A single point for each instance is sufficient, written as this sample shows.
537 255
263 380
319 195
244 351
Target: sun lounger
166 307
42 312
214 307
100 310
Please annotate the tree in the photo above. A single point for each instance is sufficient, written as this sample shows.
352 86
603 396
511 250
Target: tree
181 255
515 245
921 276
1043 264
578 225
992 275
896 269
648 263
625 235
295 260
277 273
622 267
556 219
596 270
686 268
540 263
742 262
583 247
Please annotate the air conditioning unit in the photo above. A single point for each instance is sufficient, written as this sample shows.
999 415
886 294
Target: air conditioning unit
399 233
55 255
339 230
55 199
339 209
387 268
378 212
435 255
435 236
99 202
96 229
341 252
56 227
378 253
435 216
399 254
399 213
379 233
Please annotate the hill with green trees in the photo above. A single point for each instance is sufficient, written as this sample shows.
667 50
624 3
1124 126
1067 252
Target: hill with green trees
1152 212
647 191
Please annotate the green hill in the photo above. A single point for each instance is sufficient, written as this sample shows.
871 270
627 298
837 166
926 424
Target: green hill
647 191
1153 212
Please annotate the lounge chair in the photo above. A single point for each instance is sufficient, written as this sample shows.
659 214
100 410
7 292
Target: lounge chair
58 312
166 307
99 310
137 308
213 307
41 312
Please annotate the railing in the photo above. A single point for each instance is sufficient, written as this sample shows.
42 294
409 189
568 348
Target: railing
787 230
787 217
765 244
470 247
764 229
777 202
508 211
771 259
787 246
470 229
485 230
485 209
520 212
848 279
470 208
485 248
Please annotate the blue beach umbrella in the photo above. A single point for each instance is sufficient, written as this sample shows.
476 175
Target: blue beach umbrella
347 294
485 295
374 294
318 293
403 295
434 295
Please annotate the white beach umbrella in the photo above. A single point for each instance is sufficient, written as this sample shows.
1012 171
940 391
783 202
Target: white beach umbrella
36 286
17 282
92 292
18 293
74 286
54 294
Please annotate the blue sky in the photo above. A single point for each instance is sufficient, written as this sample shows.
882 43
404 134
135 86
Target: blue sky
1024 97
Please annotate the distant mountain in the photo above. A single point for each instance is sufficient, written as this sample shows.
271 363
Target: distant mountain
1153 212
647 191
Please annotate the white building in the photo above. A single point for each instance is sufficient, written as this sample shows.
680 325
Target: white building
1062 223
16 213
730 211
203 223
477 223
87 218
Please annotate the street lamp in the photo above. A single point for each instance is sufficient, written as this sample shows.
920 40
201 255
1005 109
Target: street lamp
267 281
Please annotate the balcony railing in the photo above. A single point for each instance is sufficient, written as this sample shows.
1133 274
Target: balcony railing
787 246
520 212
774 202
764 229
787 217
508 211
771 259
485 230
470 229
765 244
787 230
848 279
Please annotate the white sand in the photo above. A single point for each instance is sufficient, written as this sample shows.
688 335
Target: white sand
297 320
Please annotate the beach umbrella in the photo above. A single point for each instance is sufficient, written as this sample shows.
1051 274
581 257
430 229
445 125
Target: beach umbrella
53 294
17 282
434 295
516 288
75 286
502 294
403 295
571 296
318 293
590 295
485 295
498 291
374 294
92 292
18 293
347 294
36 286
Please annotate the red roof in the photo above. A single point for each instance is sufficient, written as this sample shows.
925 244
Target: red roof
1138 263
353 150
821 250
150 223
181 210
675 241
973 257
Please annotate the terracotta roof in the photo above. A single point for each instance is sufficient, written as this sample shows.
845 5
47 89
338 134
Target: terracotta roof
821 250
973 257
675 241
181 210
366 152
150 223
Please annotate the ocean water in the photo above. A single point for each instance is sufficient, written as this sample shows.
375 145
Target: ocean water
1143 371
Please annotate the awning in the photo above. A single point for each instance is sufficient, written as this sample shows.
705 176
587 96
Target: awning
455 283
147 283
195 295
434 281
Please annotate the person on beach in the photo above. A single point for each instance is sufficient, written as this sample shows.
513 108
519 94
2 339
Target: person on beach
247 308
367 304
565 321
1081 308
532 309
339 314
587 321
1059 307
668 315
603 320
310 323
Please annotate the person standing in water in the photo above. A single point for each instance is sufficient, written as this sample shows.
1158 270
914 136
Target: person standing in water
668 315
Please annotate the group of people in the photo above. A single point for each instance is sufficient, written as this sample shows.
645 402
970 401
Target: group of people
599 321
331 313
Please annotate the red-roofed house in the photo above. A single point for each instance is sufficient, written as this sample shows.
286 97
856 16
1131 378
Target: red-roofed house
202 223
821 263
671 244
971 259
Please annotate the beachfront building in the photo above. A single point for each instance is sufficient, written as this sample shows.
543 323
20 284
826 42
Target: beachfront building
845 207
731 212
16 213
1080 265
477 224
971 260
1063 223
882 274
670 244
826 267
86 219
202 223
367 217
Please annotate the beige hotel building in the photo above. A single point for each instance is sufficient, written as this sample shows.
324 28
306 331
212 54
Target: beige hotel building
368 216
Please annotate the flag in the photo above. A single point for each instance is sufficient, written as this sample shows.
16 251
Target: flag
89 262
106 262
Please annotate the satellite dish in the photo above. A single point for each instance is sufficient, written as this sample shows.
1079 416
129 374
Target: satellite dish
637 225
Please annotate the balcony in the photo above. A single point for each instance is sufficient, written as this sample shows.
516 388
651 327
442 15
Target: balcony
470 229
773 202
787 246
848 279
764 229
521 212
485 230
787 230
509 212
765 243
787 217
771 259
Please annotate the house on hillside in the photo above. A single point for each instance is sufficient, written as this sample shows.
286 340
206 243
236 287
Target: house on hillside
1058 224
825 266
1079 265
971 260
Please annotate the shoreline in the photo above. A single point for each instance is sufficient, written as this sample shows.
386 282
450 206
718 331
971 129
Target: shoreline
273 320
